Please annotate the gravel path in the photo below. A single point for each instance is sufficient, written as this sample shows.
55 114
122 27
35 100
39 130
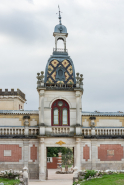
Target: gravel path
54 179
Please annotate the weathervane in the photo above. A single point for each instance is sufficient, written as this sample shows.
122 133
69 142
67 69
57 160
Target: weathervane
59 15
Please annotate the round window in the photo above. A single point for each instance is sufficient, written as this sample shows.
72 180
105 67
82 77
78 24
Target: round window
60 103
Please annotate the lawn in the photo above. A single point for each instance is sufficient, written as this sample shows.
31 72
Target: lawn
9 182
114 179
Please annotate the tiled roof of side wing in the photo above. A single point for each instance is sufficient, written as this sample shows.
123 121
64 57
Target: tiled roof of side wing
19 112
96 113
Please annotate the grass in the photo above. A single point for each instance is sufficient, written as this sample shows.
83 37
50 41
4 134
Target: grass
114 179
9 181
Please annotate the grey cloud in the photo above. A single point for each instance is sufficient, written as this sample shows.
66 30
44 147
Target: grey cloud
95 44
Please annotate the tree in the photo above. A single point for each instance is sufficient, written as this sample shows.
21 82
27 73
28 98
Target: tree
53 151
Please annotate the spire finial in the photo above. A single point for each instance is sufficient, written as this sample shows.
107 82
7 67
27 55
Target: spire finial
59 15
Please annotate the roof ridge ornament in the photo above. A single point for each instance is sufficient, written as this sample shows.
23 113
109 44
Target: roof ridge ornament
59 15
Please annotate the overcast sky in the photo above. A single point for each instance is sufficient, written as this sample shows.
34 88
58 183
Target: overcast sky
95 44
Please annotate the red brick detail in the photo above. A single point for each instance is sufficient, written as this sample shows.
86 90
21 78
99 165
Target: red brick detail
115 152
33 153
16 153
53 165
86 152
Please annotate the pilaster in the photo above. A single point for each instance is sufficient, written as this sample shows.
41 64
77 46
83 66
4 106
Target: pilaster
78 153
41 160
26 152
41 106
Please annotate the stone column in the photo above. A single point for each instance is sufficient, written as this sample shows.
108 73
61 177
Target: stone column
41 160
41 106
26 152
78 117
78 154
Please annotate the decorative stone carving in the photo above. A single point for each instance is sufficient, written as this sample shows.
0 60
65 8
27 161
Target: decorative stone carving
25 175
60 142
40 78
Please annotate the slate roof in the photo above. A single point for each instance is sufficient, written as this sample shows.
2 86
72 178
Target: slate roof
96 113
19 112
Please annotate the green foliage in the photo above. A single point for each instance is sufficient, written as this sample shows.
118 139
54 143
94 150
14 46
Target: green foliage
89 173
113 179
53 151
9 182
75 183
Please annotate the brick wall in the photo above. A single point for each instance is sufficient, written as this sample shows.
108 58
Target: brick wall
110 152
33 153
86 152
53 164
10 153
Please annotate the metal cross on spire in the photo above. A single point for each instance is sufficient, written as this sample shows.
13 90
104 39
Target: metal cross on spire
59 15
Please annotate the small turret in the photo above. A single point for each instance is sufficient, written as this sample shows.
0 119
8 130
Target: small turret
60 33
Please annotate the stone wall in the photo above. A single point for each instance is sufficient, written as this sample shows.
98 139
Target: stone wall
102 154
17 153
104 121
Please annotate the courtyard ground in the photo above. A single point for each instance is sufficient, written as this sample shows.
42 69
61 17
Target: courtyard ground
54 179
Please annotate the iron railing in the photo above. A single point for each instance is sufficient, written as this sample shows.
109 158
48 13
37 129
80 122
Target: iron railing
60 50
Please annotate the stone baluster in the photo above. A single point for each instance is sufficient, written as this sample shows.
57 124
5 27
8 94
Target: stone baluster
122 131
114 131
105 131
119 131
110 131
88 132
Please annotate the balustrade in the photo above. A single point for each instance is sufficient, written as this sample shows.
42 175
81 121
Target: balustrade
17 131
103 131
60 130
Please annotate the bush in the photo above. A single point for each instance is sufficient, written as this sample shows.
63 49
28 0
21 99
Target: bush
89 173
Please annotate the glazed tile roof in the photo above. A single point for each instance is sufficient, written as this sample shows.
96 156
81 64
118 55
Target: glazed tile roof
96 113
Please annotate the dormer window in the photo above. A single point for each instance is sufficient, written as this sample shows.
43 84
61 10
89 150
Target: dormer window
60 113
60 74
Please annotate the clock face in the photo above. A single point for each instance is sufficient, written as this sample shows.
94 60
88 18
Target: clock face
60 103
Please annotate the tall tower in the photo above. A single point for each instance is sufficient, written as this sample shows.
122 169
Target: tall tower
60 94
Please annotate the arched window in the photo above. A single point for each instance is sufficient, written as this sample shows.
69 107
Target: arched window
64 116
60 113
55 116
